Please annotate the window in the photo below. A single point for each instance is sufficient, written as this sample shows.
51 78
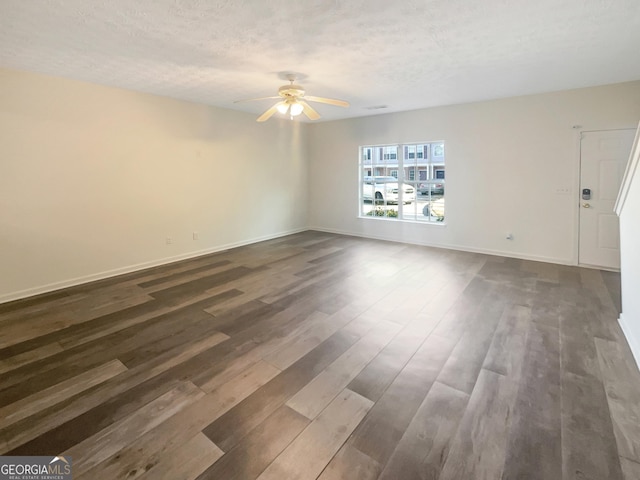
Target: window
396 190
438 149
412 152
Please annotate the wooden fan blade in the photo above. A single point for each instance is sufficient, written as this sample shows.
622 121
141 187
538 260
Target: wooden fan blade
308 111
254 99
269 113
330 101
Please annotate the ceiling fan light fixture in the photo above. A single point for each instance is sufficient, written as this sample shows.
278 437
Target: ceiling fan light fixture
293 101
296 109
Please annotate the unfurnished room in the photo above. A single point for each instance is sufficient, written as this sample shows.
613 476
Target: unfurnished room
319 239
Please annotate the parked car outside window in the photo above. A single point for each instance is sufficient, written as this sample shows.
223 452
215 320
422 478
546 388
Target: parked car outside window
436 188
385 190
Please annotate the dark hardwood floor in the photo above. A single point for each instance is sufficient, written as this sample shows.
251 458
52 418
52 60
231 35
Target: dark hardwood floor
325 356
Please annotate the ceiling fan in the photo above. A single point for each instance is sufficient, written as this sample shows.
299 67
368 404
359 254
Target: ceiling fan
293 102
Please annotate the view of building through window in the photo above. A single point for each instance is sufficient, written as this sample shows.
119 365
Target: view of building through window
403 181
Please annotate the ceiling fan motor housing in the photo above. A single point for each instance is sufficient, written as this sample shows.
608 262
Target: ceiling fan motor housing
291 91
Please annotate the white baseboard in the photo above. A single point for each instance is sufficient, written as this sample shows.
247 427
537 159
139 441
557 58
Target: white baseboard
29 292
634 343
461 248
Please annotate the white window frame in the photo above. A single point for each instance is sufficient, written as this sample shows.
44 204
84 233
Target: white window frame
373 192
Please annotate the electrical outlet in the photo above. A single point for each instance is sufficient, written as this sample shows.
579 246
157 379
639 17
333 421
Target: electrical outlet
169 240
196 236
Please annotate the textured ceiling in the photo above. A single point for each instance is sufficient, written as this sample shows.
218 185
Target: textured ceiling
403 54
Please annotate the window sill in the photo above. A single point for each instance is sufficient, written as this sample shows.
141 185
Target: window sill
401 220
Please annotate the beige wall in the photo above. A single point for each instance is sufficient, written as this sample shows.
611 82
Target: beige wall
507 163
93 179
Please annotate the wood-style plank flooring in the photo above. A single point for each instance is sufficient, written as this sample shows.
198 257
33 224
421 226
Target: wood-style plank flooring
325 356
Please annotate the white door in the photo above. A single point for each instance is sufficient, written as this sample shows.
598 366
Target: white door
603 158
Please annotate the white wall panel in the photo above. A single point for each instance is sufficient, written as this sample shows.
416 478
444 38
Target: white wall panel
94 179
